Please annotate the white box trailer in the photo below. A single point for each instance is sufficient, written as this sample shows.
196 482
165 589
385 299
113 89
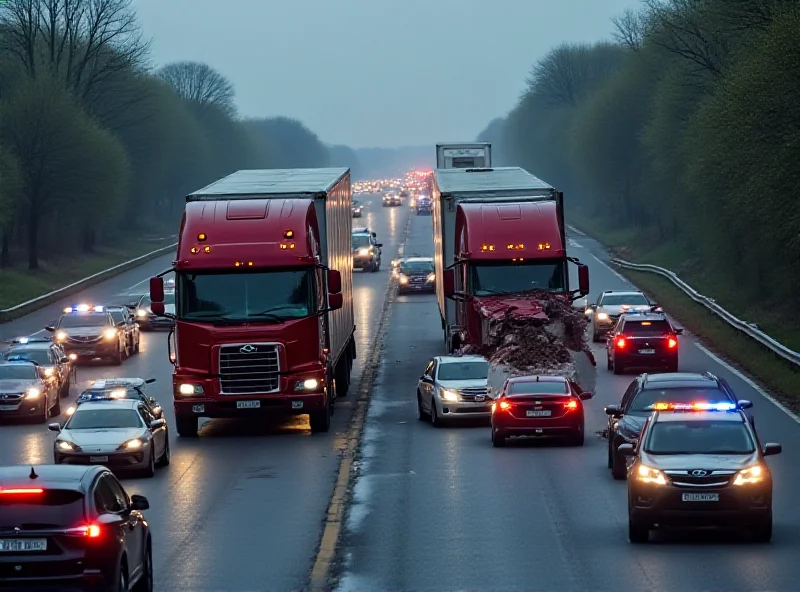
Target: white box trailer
471 155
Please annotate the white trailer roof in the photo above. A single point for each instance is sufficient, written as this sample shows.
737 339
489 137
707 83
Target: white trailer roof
487 180
270 182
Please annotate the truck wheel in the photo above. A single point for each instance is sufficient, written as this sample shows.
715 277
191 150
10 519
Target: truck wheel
186 426
321 420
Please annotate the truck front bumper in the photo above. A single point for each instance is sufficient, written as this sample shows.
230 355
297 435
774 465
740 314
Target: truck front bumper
244 406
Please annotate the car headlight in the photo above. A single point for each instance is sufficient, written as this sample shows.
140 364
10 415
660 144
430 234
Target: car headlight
110 333
33 393
647 474
431 277
448 395
134 444
70 411
403 279
190 389
601 316
61 335
363 251
66 446
49 371
141 313
307 385
73 357
749 476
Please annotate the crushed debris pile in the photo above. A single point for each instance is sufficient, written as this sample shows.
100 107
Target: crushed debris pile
535 333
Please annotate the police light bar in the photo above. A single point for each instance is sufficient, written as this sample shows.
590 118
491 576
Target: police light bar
699 406
83 308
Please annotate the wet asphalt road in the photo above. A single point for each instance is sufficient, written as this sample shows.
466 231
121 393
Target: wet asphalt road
441 509
240 508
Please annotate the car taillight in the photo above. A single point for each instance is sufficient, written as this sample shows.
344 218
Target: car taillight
91 531
570 405
620 342
672 343
22 491
501 405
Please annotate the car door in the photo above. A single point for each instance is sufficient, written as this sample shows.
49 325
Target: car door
426 384
111 499
159 433
627 397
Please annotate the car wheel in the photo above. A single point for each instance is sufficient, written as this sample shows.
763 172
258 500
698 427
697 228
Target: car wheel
577 439
596 337
436 421
609 365
618 469
150 471
56 409
117 359
122 580
137 346
64 392
498 440
45 414
638 533
145 583
421 415
618 367
610 455
763 532
165 458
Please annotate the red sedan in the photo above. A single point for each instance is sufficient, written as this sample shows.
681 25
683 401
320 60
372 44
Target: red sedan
539 406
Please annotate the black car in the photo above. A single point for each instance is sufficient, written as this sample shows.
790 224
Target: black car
112 389
127 324
366 250
90 332
699 465
145 318
625 420
644 340
416 274
48 355
356 209
424 206
69 527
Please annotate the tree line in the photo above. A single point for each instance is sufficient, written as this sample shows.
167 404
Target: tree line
93 140
685 129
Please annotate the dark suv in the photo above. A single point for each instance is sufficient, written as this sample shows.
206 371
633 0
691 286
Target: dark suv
645 340
70 527
89 333
366 250
625 421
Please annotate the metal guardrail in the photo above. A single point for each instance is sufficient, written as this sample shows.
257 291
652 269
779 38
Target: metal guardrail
748 329
9 314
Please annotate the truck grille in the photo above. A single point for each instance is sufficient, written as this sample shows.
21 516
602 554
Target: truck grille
250 369
469 393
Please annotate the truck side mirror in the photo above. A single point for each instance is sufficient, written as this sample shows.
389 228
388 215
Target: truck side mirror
334 282
157 289
335 301
449 283
157 308
583 279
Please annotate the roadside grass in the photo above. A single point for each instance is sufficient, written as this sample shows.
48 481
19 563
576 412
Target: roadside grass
780 377
18 284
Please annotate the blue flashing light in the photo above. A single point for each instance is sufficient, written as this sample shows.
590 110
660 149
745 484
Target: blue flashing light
83 308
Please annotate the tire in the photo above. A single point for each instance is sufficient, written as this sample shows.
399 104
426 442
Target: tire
55 410
150 471
609 365
166 457
436 421
122 581
117 359
595 337
320 421
578 438
763 532
618 469
421 414
498 441
138 344
64 392
638 533
186 426
45 414
610 455
619 368
673 366
145 583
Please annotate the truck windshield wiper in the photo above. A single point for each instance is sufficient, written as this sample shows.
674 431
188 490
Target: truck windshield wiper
271 310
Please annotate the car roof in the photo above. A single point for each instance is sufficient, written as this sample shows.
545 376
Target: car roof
679 380
412 259
122 403
35 346
454 359
360 230
686 416
536 378
104 383
623 292
70 477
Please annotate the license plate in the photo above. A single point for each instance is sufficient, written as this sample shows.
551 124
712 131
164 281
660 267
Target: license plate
701 497
538 413
14 545
248 404
297 404
647 351
98 459
8 407
199 408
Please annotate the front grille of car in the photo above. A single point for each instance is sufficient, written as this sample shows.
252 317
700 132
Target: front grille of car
713 479
250 369
84 339
468 394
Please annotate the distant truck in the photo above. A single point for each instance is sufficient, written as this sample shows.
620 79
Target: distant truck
264 297
474 155
498 234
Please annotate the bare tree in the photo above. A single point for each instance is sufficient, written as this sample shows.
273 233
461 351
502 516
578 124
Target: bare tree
82 42
630 29
200 84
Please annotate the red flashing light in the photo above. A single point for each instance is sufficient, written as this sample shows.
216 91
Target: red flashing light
672 343
20 491
504 405
571 404
620 342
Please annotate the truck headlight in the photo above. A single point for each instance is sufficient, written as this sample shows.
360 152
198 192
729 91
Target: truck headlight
647 474
749 476
190 389
307 385
448 395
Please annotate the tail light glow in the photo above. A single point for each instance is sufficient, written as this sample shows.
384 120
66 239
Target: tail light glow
91 531
504 405
25 491
672 343
571 404
620 342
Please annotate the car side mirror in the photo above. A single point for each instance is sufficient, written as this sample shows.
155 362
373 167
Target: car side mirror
157 289
744 404
50 328
54 427
586 396
121 324
678 331
150 381
157 423
771 449
613 410
139 502
626 449
449 283
379 245
334 282
157 308
64 360
583 279
374 235
335 301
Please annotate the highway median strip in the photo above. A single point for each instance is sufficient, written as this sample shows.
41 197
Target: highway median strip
321 572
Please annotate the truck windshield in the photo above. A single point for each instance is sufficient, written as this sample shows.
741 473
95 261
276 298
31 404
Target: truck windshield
252 296
493 279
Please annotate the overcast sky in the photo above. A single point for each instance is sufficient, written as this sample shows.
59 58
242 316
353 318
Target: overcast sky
375 72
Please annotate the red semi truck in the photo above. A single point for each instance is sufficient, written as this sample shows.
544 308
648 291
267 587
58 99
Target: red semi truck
264 297
498 232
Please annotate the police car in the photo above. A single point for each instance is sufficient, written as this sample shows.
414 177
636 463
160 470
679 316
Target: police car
90 332
699 464
113 389
48 355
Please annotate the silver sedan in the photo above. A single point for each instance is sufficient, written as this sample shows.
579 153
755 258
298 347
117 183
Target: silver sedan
454 387
120 434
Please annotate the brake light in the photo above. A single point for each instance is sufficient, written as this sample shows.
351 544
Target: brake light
672 343
21 491
504 405
91 531
620 342
571 404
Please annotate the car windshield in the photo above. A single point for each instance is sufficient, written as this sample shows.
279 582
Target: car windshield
647 328
622 299
270 296
90 319
488 280
412 267
646 399
117 315
40 356
52 508
99 419
551 387
463 370
699 437
18 372
360 240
